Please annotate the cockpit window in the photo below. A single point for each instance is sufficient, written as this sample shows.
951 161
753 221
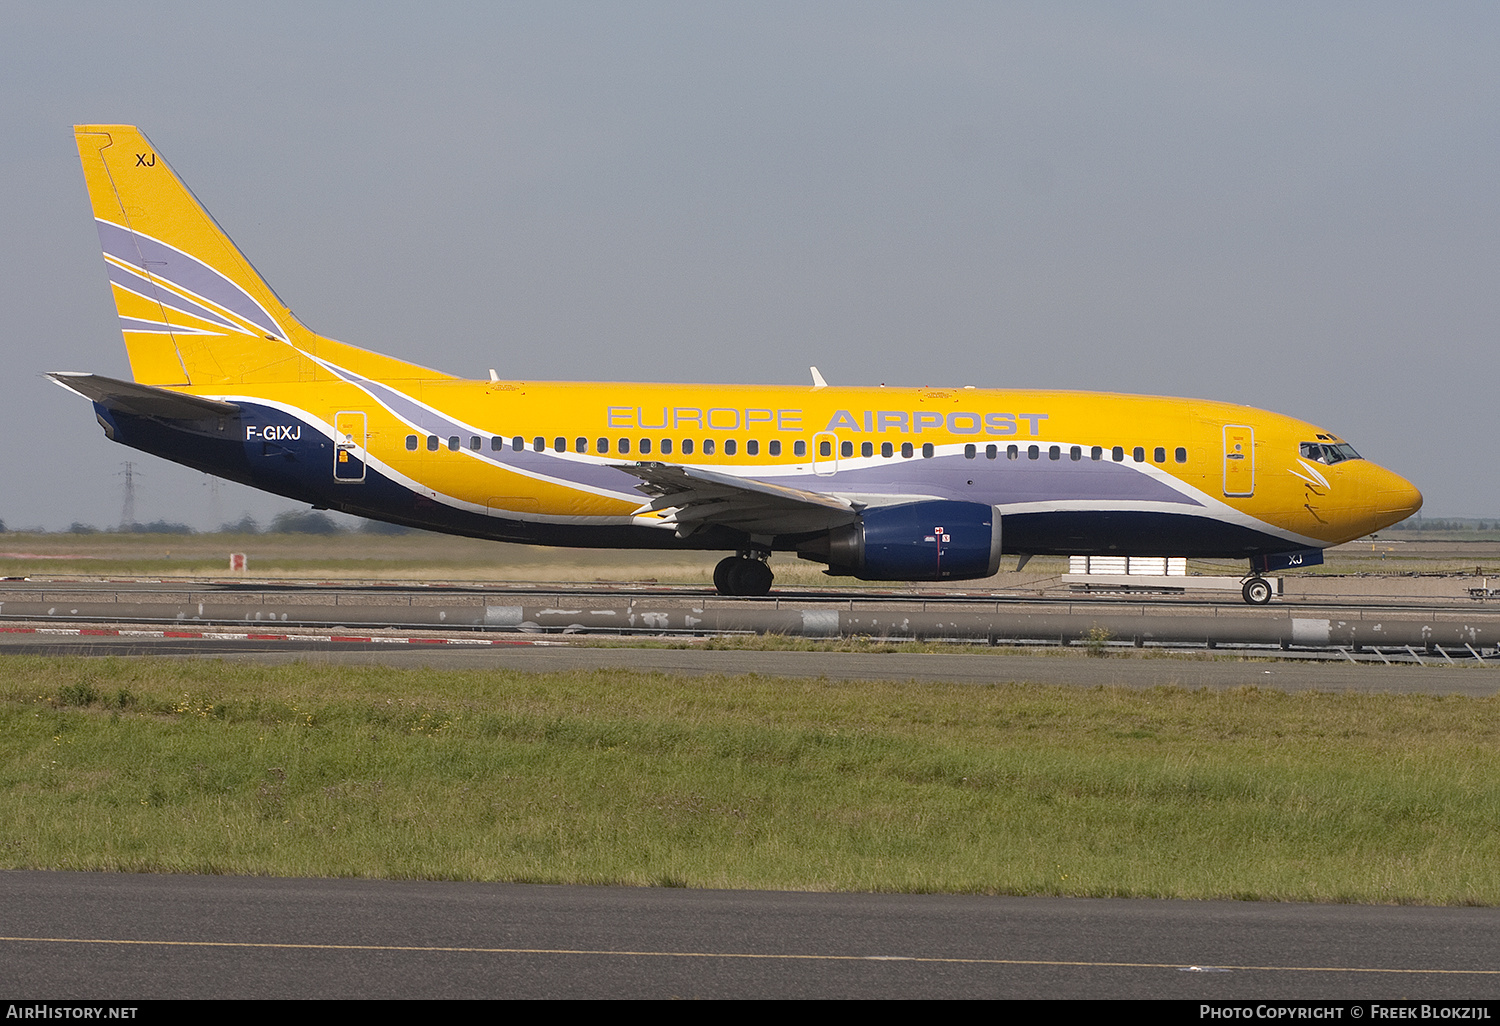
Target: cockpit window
1328 452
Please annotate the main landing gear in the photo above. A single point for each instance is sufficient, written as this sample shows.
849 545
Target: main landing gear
745 574
1257 591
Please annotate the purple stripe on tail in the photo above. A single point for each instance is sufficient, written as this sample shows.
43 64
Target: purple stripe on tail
168 264
141 285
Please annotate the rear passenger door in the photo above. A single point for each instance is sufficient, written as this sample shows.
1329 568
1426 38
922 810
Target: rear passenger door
349 446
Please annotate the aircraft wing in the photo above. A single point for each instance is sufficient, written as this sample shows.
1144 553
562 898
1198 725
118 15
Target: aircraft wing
687 498
142 400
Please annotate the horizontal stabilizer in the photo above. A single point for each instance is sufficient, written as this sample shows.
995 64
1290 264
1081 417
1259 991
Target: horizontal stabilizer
141 400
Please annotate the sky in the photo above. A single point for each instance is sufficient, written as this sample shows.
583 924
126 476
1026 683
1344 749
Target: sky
1290 205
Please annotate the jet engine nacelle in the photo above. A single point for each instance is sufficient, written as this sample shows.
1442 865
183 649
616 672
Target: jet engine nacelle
940 540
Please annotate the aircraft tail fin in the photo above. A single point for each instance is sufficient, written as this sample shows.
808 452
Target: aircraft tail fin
192 308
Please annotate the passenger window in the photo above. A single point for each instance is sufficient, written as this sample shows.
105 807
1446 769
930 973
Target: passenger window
560 444
799 448
991 451
603 446
867 449
708 447
411 443
517 444
1096 453
474 443
539 444
775 447
846 449
1139 454
887 450
645 447
1012 452
970 451
687 447
825 448
453 443
432 443
1076 453
624 447
730 447
496 443
752 447
580 445
1117 454
1054 452
1159 455
666 447
1180 454
906 450
927 450
1033 452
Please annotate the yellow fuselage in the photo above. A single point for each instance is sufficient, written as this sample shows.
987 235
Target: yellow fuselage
863 477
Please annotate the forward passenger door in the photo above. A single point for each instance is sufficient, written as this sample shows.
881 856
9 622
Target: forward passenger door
1239 461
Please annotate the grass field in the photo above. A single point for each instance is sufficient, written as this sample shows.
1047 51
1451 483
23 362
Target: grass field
611 777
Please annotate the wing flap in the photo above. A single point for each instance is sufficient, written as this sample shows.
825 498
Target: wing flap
686 498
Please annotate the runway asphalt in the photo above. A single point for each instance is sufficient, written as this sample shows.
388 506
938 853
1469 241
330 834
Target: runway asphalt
120 937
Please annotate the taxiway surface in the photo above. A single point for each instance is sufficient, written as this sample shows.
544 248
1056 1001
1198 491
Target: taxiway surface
119 936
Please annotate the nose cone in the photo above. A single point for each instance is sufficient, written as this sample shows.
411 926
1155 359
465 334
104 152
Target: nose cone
1396 498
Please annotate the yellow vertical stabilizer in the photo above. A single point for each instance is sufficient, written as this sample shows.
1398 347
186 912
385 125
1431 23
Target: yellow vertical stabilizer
192 309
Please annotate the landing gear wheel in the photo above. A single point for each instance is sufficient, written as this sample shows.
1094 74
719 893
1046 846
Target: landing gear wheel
750 577
721 574
743 575
739 575
1257 591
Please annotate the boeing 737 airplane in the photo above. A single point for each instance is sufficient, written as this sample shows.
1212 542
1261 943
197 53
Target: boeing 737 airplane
883 484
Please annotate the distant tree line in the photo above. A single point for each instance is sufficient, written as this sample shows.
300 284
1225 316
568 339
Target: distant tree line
1456 524
289 522
155 527
310 521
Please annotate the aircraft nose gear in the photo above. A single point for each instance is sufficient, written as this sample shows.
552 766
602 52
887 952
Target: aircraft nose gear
1257 591
743 575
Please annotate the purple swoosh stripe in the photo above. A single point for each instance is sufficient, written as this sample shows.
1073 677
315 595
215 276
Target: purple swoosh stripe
184 271
1002 482
998 482
589 474
140 284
